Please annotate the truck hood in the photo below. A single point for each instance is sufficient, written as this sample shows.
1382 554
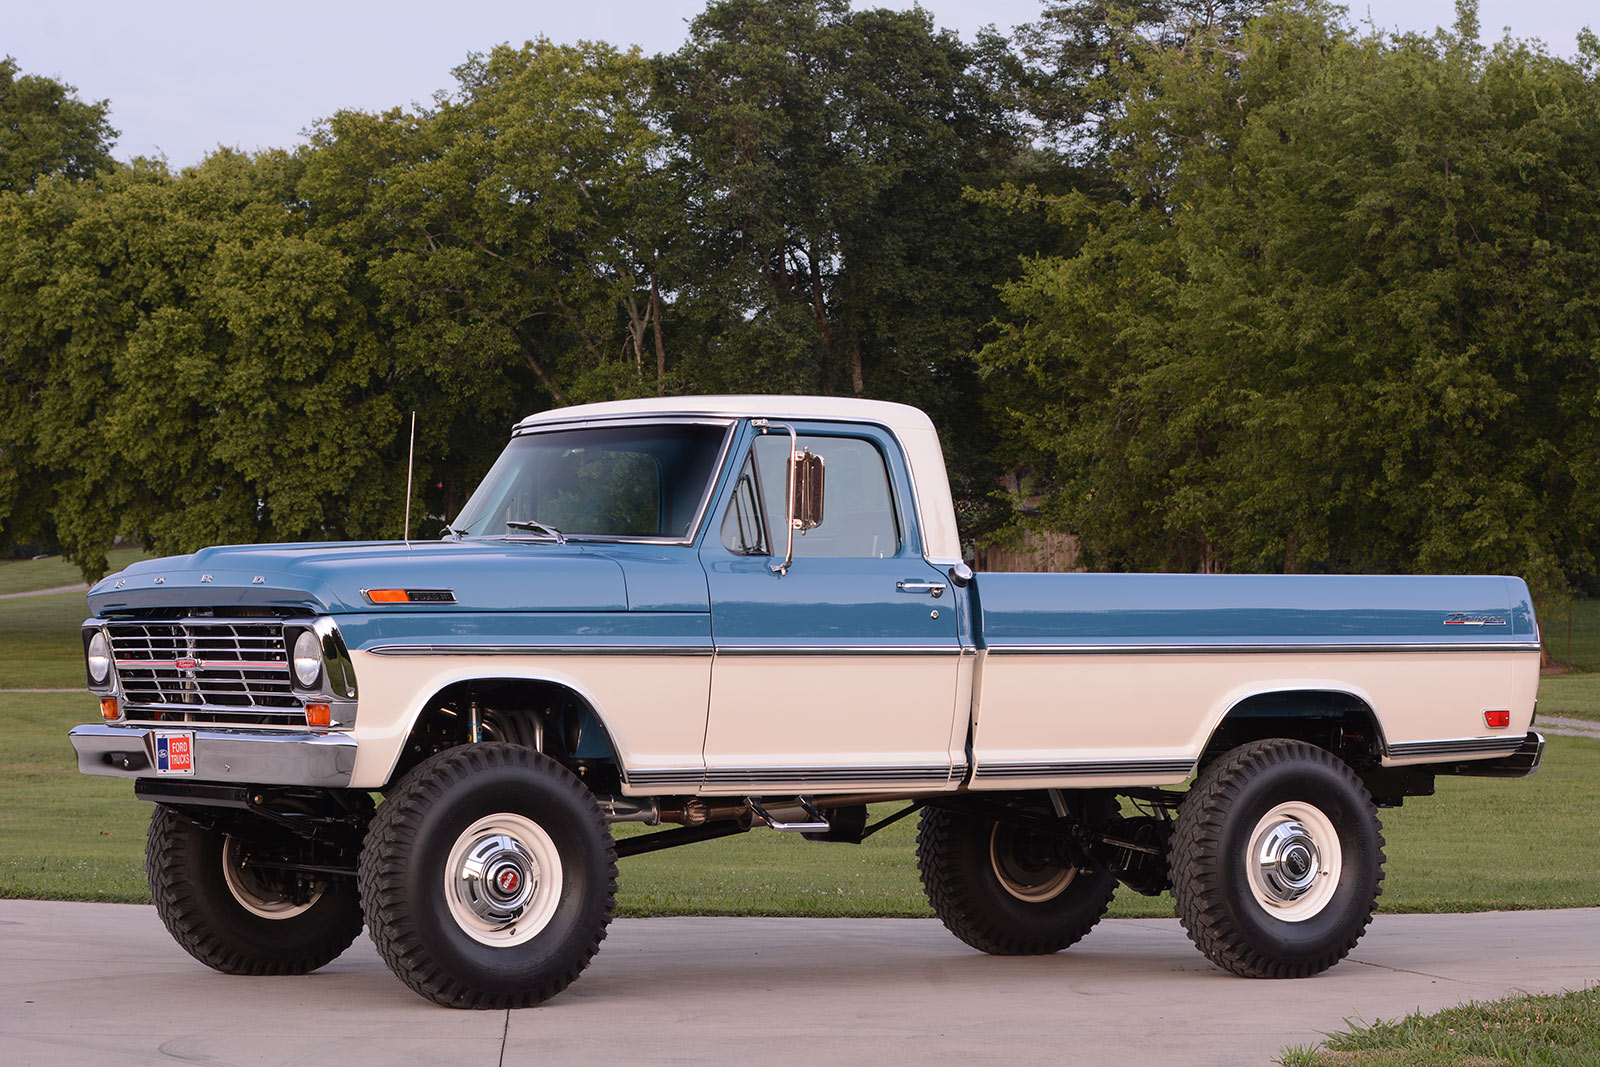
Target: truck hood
330 577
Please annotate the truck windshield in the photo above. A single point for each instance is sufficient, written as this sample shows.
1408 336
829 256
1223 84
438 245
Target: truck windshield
616 481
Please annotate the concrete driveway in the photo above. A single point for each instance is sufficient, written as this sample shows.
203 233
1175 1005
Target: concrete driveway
103 983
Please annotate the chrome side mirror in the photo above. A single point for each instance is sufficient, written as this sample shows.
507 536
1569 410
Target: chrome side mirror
805 476
802 491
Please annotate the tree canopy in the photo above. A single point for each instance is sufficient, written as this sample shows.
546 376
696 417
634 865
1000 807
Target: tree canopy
1341 315
1210 286
45 129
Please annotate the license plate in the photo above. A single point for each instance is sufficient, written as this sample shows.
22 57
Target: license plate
174 752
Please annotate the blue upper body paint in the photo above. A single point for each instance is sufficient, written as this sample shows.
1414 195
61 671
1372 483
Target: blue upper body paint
1027 610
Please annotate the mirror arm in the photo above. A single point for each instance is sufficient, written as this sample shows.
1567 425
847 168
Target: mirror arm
788 493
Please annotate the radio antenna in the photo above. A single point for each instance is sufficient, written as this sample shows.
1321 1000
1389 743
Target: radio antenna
411 456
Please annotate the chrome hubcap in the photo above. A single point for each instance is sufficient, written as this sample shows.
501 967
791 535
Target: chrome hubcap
502 880
1288 862
1294 861
497 879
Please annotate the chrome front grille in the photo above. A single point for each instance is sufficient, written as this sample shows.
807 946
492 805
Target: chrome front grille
220 671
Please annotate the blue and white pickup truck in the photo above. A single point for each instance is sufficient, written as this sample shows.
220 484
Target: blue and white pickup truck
713 613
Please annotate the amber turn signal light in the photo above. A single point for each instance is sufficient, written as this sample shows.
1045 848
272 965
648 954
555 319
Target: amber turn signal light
410 596
319 715
1497 720
108 709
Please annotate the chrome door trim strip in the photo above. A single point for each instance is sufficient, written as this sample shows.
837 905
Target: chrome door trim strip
539 650
791 777
1084 768
1261 646
664 777
834 775
952 651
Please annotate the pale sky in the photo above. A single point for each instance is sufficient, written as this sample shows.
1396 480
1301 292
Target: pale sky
185 76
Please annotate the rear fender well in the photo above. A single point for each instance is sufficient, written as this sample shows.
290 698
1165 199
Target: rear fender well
1341 721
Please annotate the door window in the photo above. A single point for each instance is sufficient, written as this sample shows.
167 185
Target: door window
858 505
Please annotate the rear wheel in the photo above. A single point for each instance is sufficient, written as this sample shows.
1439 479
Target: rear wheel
1007 889
1277 860
488 877
238 917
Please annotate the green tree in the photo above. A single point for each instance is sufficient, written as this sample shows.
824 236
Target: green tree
1080 64
46 129
1341 317
196 369
505 241
821 156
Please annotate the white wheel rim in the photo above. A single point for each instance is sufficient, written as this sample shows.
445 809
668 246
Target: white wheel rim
1294 861
253 896
1031 886
502 880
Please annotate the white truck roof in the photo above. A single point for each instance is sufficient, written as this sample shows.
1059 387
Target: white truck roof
910 426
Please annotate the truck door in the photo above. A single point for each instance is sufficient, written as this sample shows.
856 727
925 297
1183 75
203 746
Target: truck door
840 674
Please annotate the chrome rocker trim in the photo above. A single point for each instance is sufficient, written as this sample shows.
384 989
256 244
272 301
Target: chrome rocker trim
693 778
1165 768
221 756
1457 747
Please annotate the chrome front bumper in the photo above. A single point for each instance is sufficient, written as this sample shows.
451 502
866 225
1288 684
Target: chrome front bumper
245 757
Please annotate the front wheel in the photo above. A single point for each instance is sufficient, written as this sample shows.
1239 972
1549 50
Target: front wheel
239 917
1006 889
488 877
1277 860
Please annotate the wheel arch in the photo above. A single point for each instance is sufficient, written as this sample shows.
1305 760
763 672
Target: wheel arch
551 714
1339 719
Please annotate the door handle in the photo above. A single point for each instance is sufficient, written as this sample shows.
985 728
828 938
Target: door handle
918 585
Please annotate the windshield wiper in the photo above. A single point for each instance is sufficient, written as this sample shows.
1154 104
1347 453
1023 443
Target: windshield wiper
453 533
537 527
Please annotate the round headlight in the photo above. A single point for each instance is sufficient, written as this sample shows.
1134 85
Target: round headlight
99 654
307 659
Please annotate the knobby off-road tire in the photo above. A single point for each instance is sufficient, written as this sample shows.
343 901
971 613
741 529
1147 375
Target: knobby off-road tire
1277 860
488 877
231 918
990 885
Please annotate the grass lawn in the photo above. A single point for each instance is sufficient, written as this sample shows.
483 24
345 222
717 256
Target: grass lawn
19 576
39 636
1560 1029
1479 844
1573 696
1573 638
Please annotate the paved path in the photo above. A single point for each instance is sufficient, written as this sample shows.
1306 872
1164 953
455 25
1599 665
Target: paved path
1556 724
103 983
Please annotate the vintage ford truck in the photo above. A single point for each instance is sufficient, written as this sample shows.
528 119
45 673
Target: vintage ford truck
712 613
